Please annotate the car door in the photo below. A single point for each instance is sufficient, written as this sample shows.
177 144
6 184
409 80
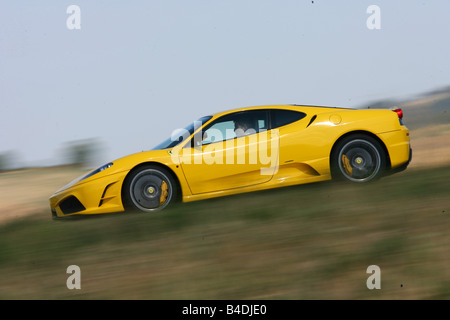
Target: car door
226 157
299 147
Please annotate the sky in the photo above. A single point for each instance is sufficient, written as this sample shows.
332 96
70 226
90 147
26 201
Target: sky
136 70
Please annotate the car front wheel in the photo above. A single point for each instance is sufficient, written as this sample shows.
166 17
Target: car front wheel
149 189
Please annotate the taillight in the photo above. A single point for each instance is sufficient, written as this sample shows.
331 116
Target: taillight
399 112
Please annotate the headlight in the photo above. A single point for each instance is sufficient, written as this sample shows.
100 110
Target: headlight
104 167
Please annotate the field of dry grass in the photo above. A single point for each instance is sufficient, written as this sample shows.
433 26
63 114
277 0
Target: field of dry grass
431 146
25 192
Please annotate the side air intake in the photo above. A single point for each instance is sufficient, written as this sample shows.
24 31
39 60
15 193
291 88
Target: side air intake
312 120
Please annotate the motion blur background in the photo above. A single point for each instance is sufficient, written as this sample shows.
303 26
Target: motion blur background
71 100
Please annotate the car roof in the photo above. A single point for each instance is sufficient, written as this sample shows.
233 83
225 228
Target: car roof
294 107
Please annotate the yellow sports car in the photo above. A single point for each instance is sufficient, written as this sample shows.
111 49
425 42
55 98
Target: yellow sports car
244 150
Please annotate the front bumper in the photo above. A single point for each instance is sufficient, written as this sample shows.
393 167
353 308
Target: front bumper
102 195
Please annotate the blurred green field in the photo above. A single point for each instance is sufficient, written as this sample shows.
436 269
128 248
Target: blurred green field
306 242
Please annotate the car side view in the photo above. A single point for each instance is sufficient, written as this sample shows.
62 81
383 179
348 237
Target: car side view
243 150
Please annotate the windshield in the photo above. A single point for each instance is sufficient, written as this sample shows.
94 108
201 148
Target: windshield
180 135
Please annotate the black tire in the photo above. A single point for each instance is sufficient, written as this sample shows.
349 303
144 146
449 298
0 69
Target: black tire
358 158
149 188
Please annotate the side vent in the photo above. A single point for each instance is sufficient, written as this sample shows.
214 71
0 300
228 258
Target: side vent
312 120
104 196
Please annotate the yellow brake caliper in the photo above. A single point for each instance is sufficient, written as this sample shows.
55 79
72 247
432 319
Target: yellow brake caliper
348 168
164 193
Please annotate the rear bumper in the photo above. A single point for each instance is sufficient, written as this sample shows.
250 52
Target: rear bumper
403 166
398 147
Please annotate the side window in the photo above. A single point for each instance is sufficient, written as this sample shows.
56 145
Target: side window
236 125
283 117
219 131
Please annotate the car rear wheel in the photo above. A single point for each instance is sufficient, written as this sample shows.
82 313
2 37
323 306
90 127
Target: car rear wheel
358 158
149 189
